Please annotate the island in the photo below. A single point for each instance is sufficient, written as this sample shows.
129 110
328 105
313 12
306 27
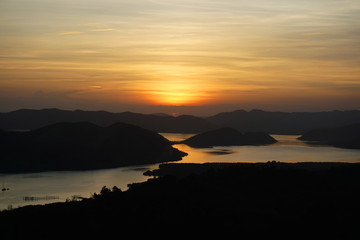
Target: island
344 137
83 146
228 137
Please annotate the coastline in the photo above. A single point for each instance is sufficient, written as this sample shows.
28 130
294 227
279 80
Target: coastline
254 199
181 170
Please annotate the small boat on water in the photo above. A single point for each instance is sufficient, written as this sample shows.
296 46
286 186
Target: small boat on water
3 189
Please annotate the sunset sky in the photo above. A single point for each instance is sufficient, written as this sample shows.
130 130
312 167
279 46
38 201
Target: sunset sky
189 56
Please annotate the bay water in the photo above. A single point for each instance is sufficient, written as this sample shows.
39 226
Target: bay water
46 187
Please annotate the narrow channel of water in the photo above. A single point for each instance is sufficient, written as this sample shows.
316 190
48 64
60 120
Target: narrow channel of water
46 187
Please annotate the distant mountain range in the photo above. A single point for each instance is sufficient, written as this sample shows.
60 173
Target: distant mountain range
245 121
33 119
284 122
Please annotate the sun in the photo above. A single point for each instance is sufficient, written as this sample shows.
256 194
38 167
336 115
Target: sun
176 93
176 98
173 98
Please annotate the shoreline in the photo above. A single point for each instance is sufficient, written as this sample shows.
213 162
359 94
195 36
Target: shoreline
185 169
254 199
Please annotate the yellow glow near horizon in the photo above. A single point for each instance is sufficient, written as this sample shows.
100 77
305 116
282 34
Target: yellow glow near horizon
125 54
175 93
173 98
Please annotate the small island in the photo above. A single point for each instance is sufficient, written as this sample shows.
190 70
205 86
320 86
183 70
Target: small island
344 137
83 146
228 137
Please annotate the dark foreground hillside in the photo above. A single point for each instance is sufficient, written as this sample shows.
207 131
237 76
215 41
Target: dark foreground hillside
245 201
82 145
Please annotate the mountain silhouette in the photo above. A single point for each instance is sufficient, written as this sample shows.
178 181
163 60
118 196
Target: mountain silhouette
33 119
284 122
345 137
228 137
83 145
252 121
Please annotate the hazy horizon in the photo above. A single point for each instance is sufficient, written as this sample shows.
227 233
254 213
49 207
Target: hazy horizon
179 56
176 114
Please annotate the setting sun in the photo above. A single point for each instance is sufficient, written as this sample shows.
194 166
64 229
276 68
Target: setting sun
174 98
127 56
175 93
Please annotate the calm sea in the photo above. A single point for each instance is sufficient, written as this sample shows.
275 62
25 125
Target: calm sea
46 187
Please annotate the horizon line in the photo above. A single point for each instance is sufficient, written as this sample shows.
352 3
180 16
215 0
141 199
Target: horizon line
172 114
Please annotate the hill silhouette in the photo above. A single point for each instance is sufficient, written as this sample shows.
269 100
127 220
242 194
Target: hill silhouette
82 145
249 201
284 122
33 119
252 121
228 137
345 137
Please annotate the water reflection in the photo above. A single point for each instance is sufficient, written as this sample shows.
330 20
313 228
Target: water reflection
291 140
287 149
177 137
64 185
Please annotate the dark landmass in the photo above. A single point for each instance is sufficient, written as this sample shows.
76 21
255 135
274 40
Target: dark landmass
182 170
246 201
82 145
252 121
161 114
228 137
345 137
284 122
220 152
33 119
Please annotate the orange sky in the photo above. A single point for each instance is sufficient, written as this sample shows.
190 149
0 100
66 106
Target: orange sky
198 56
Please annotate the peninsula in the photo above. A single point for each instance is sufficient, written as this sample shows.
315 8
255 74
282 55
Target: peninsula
344 137
81 146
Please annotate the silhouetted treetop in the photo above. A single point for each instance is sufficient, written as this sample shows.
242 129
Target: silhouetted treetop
248 200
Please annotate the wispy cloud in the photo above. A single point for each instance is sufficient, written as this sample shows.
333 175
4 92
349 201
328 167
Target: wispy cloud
230 51
83 32
95 87
313 34
102 30
70 33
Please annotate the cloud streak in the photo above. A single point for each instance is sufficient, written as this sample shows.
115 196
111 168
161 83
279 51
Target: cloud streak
83 32
70 33
232 52
102 30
